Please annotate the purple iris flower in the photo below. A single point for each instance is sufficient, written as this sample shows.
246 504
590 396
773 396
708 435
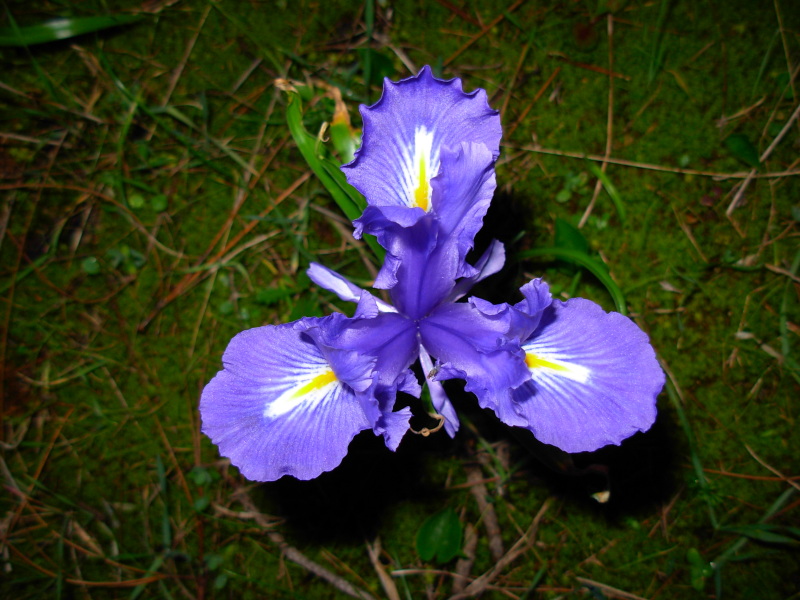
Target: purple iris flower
291 397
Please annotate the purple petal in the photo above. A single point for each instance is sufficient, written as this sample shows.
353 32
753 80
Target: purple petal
594 378
390 337
462 192
470 344
420 268
405 131
439 397
278 409
488 264
342 287
528 313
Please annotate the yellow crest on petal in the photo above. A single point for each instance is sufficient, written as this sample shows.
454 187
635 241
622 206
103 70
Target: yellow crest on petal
308 391
537 363
422 164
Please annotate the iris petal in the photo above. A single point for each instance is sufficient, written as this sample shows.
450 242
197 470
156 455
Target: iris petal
462 192
469 341
594 378
439 397
275 409
405 131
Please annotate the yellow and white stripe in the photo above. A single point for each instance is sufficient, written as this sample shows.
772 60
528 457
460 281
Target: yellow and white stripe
307 389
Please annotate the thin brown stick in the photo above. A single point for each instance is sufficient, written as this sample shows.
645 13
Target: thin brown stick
386 580
293 554
513 81
484 31
488 514
609 123
608 590
464 564
587 66
176 75
522 545
764 156
461 13
528 108
770 468
652 167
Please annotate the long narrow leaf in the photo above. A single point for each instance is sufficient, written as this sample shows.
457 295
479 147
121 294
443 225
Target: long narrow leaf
612 191
349 200
61 29
593 265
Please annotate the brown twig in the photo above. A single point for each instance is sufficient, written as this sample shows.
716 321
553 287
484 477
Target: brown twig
760 461
374 551
764 156
293 554
609 123
652 167
522 545
607 589
528 108
483 31
464 564
488 514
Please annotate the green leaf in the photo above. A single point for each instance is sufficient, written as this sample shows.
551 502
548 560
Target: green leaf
595 266
612 191
60 29
742 148
344 139
159 202
769 534
350 201
439 537
380 65
90 265
569 236
200 476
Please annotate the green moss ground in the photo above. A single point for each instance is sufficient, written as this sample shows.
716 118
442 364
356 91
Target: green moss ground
123 157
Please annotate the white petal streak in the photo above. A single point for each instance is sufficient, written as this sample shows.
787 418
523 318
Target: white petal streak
545 363
307 390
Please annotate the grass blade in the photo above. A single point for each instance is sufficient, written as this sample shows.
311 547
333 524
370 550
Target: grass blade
612 191
60 29
593 265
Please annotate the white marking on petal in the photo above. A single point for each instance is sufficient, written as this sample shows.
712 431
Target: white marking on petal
551 363
421 164
309 388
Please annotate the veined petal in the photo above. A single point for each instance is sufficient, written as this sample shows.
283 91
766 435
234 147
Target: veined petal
470 344
488 264
421 267
594 378
346 290
528 313
279 408
462 192
405 131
